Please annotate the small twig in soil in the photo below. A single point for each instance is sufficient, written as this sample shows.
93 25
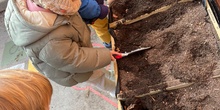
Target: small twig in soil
216 76
152 98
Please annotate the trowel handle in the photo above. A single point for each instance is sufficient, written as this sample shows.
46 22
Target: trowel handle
117 56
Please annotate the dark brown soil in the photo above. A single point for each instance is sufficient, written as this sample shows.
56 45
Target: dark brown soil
184 50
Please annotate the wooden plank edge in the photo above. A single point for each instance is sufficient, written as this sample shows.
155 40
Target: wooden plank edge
213 19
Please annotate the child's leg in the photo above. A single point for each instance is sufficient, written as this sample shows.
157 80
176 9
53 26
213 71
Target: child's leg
101 28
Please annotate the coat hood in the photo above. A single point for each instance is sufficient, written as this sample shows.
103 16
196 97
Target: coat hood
21 30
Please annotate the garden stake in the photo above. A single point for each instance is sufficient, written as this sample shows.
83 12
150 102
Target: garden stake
162 9
121 96
179 86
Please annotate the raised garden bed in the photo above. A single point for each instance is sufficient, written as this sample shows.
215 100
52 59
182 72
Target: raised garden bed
180 71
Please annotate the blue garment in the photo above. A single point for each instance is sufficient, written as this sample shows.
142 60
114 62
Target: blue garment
89 9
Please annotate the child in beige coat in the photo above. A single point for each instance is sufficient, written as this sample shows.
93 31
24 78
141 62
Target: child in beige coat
57 41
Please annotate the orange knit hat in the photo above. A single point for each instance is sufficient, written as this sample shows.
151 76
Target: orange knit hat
61 7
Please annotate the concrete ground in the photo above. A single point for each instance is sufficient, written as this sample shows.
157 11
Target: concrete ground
80 97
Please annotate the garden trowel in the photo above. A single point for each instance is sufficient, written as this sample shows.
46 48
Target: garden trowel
131 52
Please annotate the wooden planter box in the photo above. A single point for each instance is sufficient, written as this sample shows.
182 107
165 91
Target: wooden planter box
215 24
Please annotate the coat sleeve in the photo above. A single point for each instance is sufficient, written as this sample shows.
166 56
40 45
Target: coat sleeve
66 55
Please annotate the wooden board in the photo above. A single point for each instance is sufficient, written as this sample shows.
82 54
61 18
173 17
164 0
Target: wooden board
212 17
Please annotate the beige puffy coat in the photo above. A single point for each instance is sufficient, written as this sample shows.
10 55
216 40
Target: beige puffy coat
59 46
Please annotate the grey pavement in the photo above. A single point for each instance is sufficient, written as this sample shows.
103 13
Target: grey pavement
3 4
80 97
